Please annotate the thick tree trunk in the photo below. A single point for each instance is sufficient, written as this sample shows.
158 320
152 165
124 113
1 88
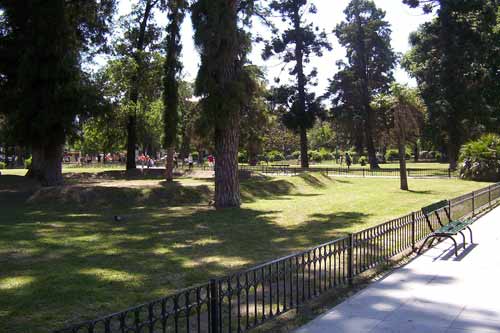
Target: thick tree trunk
131 142
370 147
169 167
304 157
46 165
403 175
227 185
453 155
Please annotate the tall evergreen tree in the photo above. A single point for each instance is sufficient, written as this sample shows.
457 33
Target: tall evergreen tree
296 44
173 67
43 86
366 36
454 59
140 35
223 45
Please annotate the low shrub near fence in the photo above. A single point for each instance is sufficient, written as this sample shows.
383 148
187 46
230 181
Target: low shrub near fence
246 299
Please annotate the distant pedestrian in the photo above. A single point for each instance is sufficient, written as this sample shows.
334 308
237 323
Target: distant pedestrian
210 159
348 160
190 161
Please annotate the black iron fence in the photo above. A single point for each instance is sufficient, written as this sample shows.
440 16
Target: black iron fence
344 171
246 299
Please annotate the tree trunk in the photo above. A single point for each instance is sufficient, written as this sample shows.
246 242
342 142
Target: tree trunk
304 157
453 155
227 186
416 152
370 147
131 142
46 165
253 152
169 167
403 176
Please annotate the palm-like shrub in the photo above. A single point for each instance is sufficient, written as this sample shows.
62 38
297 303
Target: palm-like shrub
480 159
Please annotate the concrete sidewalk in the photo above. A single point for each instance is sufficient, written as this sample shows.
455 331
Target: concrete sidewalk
436 292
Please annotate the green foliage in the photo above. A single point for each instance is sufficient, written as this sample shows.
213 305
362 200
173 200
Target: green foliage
454 59
322 136
3 165
363 160
326 155
274 156
366 35
393 154
27 162
296 154
242 156
315 156
481 158
195 155
299 40
172 69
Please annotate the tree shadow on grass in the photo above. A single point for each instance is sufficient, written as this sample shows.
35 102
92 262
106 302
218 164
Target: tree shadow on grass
79 263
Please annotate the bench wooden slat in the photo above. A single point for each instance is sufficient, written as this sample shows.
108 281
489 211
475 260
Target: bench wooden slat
435 206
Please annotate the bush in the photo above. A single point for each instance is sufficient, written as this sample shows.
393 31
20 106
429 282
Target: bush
242 157
393 155
296 154
315 156
363 160
326 155
27 163
275 156
481 159
2 165
195 155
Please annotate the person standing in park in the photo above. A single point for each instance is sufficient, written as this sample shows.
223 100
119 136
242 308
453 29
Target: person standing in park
348 160
210 160
190 161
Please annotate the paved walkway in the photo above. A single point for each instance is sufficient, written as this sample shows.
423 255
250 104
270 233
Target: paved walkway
435 292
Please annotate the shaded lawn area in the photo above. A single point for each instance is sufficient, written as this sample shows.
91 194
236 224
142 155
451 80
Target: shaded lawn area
389 165
63 258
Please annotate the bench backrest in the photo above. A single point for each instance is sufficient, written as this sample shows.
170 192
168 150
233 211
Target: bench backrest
435 206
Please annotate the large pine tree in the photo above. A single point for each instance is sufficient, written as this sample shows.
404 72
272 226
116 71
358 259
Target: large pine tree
366 36
295 45
223 47
43 86
173 67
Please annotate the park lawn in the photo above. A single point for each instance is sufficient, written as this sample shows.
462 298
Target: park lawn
63 258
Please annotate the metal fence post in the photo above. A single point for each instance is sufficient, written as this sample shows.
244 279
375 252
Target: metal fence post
413 231
489 196
449 173
473 203
214 307
363 172
350 259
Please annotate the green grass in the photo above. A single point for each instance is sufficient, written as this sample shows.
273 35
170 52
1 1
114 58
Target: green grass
63 258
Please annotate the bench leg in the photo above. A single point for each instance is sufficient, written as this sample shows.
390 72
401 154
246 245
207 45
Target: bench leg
463 237
470 231
454 242
423 244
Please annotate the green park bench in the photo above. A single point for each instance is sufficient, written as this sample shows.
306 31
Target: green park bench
452 228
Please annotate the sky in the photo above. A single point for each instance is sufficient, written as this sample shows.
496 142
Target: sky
403 20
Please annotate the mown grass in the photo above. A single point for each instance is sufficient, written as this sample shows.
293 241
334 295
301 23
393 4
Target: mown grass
63 258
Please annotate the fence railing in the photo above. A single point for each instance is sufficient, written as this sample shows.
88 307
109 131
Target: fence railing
246 299
359 172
